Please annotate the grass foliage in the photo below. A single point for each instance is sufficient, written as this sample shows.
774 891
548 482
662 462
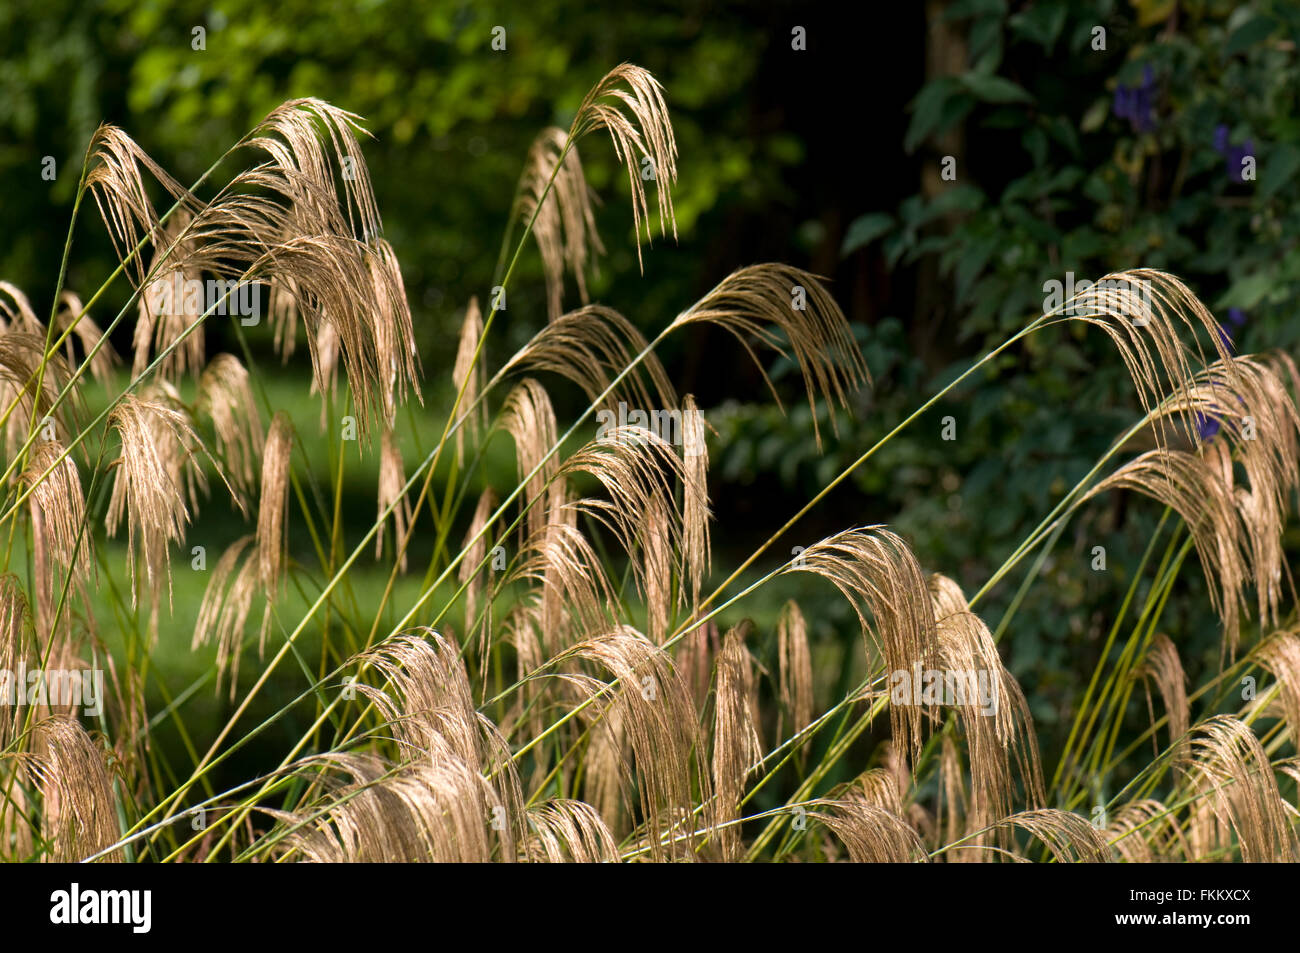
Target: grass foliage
529 653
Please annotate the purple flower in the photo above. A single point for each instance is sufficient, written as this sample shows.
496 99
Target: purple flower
1236 318
1232 155
1206 427
1137 103
1209 425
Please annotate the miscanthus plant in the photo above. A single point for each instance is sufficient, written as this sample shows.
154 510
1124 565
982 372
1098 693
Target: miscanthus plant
574 679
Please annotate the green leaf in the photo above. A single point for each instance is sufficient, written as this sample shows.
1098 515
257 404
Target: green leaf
957 198
985 36
1035 142
1247 292
1278 170
1063 131
995 89
927 110
864 230
1041 23
974 259
895 246
1095 116
1249 34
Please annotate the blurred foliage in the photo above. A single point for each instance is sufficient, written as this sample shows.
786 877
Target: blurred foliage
452 120
1072 159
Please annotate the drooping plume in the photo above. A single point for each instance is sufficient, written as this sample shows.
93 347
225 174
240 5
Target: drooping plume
628 103
774 306
662 731
272 511
467 375
877 573
392 478
564 224
736 746
226 397
149 491
591 347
